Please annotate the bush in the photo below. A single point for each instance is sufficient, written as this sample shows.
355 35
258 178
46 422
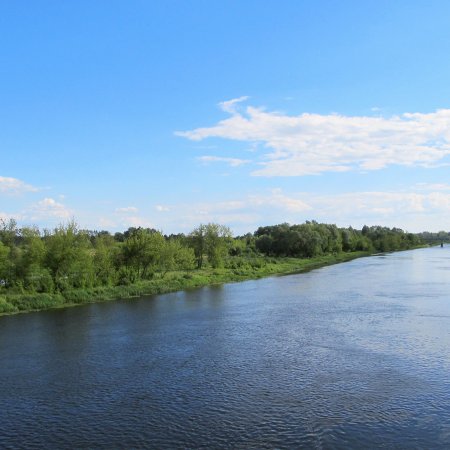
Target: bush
78 296
36 301
39 280
6 307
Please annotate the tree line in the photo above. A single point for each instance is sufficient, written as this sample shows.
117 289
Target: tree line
68 258
315 239
435 238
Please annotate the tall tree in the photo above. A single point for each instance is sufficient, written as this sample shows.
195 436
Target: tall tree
211 240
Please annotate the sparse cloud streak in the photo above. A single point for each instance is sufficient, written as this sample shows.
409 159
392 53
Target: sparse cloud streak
11 185
48 208
233 162
127 210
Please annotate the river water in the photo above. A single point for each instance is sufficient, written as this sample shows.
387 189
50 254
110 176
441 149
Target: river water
355 355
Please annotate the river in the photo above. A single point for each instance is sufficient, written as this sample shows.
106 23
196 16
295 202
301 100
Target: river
355 355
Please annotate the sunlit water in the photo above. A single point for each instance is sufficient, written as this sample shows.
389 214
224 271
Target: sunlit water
355 355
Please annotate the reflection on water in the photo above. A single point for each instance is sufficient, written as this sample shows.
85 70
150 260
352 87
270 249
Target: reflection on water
348 356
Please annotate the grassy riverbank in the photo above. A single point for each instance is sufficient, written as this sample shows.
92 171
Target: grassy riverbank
171 282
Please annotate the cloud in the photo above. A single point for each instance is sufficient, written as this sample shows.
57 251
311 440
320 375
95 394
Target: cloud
244 213
313 143
162 208
233 162
127 209
272 200
127 217
229 106
433 186
106 222
7 216
48 208
371 205
412 210
14 186
136 221
280 201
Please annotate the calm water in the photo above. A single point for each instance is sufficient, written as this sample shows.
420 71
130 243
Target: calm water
348 356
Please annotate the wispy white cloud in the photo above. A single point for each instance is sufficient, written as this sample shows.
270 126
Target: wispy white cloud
412 210
278 200
106 222
242 214
229 106
48 208
233 162
418 208
15 186
127 209
128 216
137 221
433 186
6 216
315 143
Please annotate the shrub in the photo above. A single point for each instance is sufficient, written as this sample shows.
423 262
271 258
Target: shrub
6 307
78 296
36 301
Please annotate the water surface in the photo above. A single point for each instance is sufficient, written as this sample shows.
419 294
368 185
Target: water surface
348 356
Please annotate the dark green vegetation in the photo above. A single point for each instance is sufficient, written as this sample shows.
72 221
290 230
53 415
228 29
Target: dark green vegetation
435 238
68 266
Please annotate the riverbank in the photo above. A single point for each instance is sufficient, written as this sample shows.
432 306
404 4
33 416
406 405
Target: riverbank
171 282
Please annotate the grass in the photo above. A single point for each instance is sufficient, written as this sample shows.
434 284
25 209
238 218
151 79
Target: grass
242 269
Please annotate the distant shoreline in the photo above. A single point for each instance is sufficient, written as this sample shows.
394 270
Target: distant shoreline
172 282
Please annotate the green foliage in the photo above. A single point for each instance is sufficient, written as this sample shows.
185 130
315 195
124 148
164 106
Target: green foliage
432 238
5 263
69 257
174 256
36 301
105 256
313 239
213 241
141 252
72 266
38 279
6 307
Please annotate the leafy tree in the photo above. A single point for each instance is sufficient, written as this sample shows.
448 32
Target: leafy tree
197 241
105 257
175 256
141 252
69 257
4 264
211 240
217 239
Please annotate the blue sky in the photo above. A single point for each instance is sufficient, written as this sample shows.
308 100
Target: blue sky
173 113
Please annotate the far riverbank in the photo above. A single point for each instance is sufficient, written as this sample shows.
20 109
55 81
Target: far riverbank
171 282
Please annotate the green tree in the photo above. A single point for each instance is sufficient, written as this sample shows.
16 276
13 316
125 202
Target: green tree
4 264
105 256
141 252
70 257
217 240
175 256
197 241
31 269
211 240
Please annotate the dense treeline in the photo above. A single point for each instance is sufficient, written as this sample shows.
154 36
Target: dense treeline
67 258
435 238
314 239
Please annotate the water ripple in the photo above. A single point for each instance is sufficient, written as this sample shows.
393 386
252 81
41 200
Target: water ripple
330 359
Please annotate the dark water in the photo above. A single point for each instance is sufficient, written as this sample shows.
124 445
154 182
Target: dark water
349 356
